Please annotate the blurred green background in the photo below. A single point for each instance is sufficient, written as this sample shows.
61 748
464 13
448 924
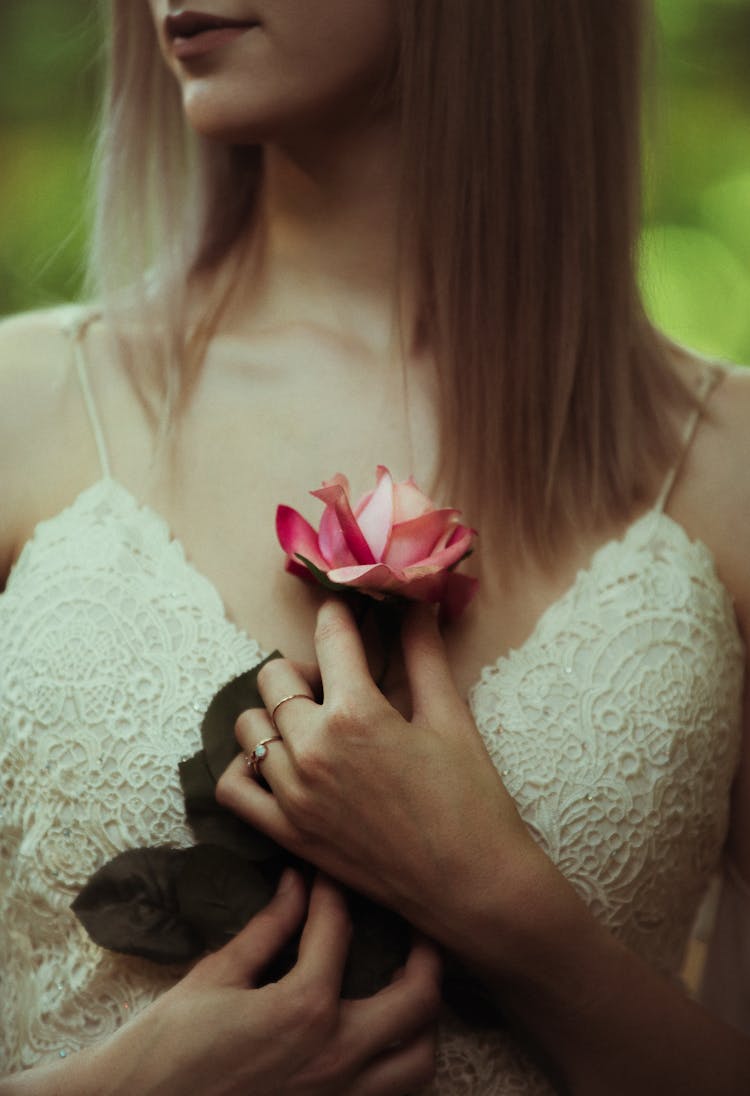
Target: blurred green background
696 240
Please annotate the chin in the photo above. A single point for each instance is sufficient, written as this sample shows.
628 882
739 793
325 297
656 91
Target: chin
232 119
222 117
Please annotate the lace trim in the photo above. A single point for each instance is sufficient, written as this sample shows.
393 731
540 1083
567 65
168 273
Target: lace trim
546 622
616 727
122 497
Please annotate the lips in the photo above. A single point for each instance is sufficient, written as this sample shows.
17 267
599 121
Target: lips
195 33
188 24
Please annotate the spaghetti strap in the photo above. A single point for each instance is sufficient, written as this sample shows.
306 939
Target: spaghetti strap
76 330
710 377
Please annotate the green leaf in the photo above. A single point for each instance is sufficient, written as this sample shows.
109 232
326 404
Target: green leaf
379 946
170 905
130 905
217 729
322 577
218 892
198 785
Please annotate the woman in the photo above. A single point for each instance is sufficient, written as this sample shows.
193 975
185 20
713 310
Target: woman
403 234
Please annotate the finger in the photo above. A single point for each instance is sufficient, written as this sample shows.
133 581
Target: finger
412 999
340 653
240 793
407 1068
253 725
425 958
325 940
277 766
400 1011
241 960
426 661
310 671
253 729
287 696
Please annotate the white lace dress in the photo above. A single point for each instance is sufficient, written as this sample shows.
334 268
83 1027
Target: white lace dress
616 728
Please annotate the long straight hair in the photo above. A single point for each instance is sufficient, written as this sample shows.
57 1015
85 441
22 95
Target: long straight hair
555 387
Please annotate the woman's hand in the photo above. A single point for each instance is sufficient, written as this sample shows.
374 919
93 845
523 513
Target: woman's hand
412 813
214 1034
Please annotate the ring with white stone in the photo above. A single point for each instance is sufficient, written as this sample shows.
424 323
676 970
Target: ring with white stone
258 753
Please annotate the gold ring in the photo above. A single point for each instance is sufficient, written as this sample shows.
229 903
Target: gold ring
292 696
258 753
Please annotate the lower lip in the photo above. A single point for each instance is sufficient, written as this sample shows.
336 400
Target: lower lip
206 41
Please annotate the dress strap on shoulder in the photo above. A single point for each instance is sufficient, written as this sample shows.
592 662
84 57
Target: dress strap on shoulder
708 381
76 330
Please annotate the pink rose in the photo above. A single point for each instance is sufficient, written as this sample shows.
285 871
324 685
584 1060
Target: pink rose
394 541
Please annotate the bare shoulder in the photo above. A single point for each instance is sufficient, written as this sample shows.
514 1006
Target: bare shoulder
40 421
724 449
731 404
712 501
727 437
712 495
732 436
33 350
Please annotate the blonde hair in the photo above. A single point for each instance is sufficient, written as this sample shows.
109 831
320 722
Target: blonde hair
528 112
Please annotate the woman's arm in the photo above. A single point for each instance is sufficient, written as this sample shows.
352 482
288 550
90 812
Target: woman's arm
432 832
619 1027
215 1035
604 1018
727 977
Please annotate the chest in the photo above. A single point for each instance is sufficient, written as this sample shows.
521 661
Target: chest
222 507
238 550
615 726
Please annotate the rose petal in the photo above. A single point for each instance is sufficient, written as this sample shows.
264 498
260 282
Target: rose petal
332 541
415 540
297 535
335 494
340 479
374 513
451 591
380 579
443 558
448 536
435 566
409 502
376 576
379 472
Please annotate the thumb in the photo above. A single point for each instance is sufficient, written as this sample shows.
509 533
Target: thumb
241 960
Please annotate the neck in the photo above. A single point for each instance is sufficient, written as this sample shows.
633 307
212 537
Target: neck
325 242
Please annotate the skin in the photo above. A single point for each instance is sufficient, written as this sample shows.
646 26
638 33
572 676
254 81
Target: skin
586 1000
315 69
319 320
293 1036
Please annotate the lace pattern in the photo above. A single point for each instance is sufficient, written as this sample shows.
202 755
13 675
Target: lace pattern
616 728
111 647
